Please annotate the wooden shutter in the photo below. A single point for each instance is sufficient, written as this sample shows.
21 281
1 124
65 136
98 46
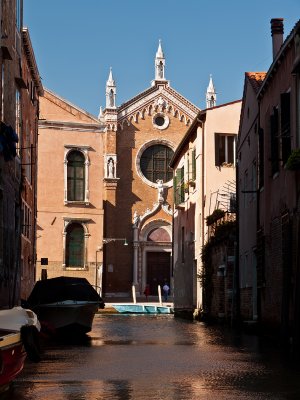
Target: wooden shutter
274 141
285 126
175 189
194 164
217 144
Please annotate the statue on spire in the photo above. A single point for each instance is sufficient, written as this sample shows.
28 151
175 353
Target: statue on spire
211 95
111 91
159 63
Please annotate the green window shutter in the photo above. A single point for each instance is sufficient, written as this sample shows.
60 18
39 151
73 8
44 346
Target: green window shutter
194 164
178 187
75 246
182 185
76 176
175 189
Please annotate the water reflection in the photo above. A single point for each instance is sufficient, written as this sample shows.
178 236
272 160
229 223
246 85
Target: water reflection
158 357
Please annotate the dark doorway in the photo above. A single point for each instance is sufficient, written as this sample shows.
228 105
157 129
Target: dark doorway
158 270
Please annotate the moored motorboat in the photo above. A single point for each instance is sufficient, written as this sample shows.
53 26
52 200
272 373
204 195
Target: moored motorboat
18 337
65 305
12 356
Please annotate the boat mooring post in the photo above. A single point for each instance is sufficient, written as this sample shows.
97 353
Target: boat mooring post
159 295
133 294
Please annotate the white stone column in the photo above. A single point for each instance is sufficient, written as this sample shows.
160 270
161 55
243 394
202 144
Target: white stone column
87 190
64 249
135 255
65 180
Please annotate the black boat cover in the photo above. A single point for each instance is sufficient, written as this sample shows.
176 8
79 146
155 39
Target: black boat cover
63 288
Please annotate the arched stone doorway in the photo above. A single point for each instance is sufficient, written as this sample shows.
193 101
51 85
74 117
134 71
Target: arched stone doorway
156 250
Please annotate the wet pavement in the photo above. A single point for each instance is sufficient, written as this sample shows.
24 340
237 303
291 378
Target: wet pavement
158 357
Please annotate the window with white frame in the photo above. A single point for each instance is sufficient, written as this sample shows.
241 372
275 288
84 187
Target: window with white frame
75 246
75 243
18 114
191 164
27 153
225 149
178 184
76 175
26 220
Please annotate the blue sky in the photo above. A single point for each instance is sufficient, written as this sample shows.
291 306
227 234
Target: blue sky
76 41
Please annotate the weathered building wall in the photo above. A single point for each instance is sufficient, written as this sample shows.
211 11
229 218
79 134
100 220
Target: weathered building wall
63 128
28 149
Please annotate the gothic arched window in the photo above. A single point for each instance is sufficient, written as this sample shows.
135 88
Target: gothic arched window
75 246
76 176
155 162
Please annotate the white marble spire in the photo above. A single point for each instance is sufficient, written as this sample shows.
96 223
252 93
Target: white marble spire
160 63
111 91
100 115
211 95
110 80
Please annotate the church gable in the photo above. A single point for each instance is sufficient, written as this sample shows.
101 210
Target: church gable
58 109
160 98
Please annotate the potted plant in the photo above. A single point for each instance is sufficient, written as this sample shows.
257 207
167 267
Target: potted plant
293 162
186 187
214 217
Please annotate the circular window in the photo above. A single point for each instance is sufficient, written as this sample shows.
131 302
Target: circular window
155 161
160 121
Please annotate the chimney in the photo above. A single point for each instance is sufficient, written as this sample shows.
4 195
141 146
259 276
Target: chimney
277 34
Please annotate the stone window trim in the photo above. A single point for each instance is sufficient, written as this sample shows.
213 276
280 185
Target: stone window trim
138 160
68 221
164 125
225 149
84 150
26 221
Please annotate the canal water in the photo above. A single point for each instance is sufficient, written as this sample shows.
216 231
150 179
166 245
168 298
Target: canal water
159 358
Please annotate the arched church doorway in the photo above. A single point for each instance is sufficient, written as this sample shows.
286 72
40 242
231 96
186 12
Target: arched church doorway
158 270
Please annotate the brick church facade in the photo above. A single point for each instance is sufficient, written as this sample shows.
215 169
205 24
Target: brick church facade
141 136
125 155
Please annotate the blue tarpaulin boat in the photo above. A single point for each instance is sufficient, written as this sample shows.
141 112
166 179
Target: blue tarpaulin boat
142 309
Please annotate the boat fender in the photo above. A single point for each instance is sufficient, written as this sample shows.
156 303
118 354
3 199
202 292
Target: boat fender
31 342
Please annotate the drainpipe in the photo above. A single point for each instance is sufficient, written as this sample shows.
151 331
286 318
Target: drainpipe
201 121
235 313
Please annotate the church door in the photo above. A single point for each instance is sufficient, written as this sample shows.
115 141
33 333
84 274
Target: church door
158 270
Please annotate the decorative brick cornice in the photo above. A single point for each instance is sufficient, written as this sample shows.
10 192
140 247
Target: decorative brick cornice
28 49
161 98
71 126
69 107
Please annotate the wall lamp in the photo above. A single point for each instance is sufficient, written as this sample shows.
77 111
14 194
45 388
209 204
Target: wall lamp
108 240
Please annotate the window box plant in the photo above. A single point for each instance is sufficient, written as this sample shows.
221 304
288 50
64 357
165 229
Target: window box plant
293 162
